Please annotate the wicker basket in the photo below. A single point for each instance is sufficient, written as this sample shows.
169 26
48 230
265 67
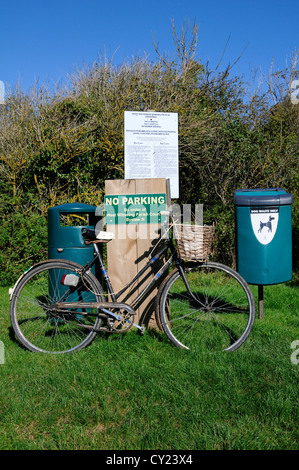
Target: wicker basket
194 241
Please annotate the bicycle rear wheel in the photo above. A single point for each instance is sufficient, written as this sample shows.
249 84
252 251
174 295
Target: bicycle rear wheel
39 324
216 311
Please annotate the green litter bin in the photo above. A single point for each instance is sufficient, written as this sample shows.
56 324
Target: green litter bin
264 235
65 241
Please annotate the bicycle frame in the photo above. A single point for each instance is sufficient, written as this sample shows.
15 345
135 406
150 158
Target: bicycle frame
150 263
104 306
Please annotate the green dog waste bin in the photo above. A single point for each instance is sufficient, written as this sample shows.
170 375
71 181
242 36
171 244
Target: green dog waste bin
264 235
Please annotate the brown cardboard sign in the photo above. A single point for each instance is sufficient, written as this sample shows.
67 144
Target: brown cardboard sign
133 242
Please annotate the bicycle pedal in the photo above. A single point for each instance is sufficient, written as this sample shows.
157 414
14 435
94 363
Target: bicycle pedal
141 328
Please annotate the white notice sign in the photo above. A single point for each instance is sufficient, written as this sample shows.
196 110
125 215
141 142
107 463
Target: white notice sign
151 147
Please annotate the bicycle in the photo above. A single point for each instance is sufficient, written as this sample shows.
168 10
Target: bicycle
59 306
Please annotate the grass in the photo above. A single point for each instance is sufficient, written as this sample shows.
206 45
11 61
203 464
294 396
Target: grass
141 393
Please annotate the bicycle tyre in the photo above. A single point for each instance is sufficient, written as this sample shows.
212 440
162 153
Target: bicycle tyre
219 314
36 323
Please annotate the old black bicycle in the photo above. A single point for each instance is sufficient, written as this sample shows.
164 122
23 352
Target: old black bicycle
58 306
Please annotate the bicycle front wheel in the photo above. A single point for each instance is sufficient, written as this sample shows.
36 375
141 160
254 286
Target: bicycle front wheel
43 326
214 310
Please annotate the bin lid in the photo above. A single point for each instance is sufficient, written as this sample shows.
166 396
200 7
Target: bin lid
73 207
262 197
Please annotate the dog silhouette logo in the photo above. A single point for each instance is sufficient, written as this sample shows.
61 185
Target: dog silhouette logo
264 223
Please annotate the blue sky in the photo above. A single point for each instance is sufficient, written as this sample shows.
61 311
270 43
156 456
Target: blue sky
45 39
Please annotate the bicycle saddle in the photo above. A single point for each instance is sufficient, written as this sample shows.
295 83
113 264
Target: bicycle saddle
93 236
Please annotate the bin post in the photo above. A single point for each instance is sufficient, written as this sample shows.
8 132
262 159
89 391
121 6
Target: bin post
261 301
